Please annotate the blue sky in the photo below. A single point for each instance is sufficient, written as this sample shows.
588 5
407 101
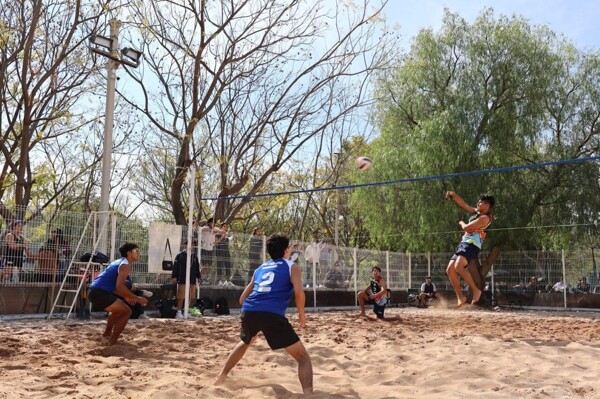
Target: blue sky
578 20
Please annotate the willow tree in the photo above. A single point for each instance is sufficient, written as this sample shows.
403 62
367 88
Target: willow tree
45 75
240 88
498 92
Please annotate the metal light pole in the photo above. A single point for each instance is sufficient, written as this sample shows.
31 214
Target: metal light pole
114 60
111 69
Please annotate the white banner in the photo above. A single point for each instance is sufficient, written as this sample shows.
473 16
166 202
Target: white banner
159 234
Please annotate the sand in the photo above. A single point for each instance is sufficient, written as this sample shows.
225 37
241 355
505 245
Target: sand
441 353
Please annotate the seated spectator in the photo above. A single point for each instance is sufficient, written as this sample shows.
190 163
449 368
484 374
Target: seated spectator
559 287
48 258
14 248
583 286
428 291
533 284
334 278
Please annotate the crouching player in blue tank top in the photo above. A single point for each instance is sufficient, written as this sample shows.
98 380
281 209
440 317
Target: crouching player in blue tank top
264 302
111 285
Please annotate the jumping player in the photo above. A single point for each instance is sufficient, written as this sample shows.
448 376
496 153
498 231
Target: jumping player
110 285
264 302
471 243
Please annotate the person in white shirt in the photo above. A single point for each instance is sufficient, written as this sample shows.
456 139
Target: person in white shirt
208 239
311 254
428 291
559 287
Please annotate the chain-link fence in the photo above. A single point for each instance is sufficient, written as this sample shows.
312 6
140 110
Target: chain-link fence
46 245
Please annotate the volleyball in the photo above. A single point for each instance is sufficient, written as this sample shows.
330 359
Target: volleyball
363 163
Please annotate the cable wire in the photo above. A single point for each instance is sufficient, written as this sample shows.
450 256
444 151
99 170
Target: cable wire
414 179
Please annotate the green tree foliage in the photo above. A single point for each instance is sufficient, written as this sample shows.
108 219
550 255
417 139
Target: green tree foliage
498 92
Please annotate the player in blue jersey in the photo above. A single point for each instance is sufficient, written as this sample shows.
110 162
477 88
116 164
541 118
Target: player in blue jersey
470 245
264 302
111 285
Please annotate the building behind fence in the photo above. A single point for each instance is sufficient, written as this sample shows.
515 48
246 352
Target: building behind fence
511 271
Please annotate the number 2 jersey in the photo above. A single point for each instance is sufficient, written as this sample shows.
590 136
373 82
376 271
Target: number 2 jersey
272 288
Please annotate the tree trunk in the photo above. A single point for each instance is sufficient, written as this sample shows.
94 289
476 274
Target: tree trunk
478 271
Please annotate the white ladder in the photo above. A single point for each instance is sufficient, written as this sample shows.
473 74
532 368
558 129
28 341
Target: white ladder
79 270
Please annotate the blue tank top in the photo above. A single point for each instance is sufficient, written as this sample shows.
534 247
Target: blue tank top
272 288
107 280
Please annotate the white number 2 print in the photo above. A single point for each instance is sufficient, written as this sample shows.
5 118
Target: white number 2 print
266 280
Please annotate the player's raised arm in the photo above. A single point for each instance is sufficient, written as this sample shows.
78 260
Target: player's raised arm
460 202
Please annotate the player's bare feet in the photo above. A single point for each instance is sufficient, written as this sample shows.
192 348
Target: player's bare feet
220 380
461 302
476 297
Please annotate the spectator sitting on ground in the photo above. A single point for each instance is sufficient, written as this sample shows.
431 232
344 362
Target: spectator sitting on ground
428 291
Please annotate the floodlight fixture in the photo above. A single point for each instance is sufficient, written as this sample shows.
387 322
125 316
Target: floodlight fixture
133 55
101 41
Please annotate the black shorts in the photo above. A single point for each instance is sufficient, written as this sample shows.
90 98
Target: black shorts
469 251
102 299
276 328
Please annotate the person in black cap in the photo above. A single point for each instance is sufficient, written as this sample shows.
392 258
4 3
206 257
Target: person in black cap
428 291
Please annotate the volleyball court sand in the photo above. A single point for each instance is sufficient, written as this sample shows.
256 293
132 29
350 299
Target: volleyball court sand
434 353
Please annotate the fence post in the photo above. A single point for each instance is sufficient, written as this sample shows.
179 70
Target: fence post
429 263
387 268
113 234
409 271
355 275
564 276
314 278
